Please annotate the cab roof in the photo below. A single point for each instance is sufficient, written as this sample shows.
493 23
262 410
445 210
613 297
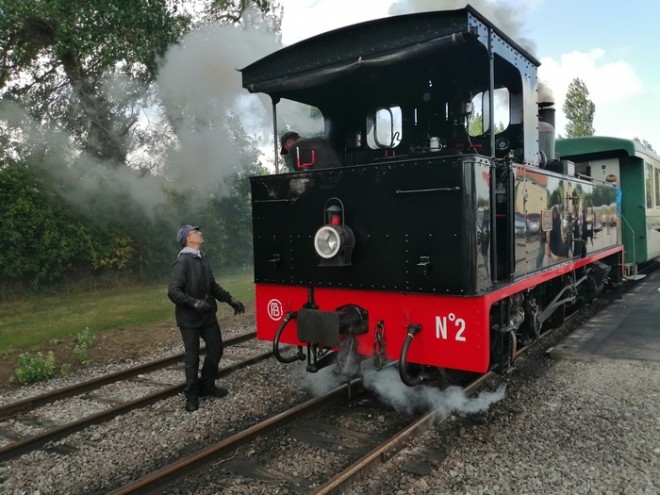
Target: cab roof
390 48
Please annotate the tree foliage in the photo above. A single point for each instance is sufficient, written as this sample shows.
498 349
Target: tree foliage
579 110
645 144
85 64
40 238
82 73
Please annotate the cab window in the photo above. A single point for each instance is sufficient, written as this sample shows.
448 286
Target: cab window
384 128
479 121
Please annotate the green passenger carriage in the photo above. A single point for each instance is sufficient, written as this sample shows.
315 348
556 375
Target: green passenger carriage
638 172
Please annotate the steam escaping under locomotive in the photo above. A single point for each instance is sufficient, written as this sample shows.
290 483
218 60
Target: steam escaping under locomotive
441 232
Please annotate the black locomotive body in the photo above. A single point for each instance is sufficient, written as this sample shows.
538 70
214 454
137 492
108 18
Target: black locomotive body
440 236
404 238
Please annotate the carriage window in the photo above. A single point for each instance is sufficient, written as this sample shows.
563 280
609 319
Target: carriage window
479 120
657 187
384 128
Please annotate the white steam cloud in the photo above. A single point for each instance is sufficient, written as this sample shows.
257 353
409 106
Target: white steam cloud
391 390
79 178
389 387
200 85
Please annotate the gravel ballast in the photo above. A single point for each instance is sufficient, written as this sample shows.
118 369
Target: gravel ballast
563 427
579 428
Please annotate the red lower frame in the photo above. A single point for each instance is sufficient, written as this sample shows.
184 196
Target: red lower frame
455 330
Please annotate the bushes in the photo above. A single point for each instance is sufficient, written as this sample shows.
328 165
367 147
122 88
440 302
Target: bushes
39 239
34 368
46 240
84 341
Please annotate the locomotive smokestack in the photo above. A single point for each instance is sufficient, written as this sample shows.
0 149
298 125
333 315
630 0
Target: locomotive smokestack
546 132
547 112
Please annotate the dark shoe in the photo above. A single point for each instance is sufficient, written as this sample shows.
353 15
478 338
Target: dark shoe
218 392
192 404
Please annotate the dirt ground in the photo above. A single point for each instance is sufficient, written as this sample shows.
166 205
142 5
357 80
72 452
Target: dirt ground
110 346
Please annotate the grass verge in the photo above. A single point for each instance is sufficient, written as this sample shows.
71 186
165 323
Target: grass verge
36 320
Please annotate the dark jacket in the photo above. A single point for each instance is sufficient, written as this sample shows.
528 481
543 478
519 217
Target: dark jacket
192 279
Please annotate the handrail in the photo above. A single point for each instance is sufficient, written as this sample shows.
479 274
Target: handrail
634 256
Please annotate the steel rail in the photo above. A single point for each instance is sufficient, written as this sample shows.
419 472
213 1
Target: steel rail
383 451
11 410
152 482
182 467
20 447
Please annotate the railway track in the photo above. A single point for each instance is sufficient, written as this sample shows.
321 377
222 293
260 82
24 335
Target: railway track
334 430
228 446
11 410
25 412
314 425
304 423
382 453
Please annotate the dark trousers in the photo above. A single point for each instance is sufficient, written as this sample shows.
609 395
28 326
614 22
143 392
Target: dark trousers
213 339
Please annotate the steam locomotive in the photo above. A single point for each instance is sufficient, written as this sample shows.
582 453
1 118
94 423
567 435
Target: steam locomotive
432 225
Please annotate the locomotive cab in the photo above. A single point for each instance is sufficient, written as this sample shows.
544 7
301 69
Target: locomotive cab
410 84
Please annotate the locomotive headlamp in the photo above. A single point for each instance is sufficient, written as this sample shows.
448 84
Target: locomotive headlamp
327 241
334 241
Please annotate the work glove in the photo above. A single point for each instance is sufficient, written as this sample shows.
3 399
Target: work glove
237 305
202 306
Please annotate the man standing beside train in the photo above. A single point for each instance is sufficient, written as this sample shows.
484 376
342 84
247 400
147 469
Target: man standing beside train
194 291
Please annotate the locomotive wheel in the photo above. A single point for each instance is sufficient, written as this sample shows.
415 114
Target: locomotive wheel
557 318
532 326
504 347
437 377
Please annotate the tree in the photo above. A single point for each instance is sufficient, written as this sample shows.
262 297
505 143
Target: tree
40 237
579 110
86 66
475 124
83 72
644 144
